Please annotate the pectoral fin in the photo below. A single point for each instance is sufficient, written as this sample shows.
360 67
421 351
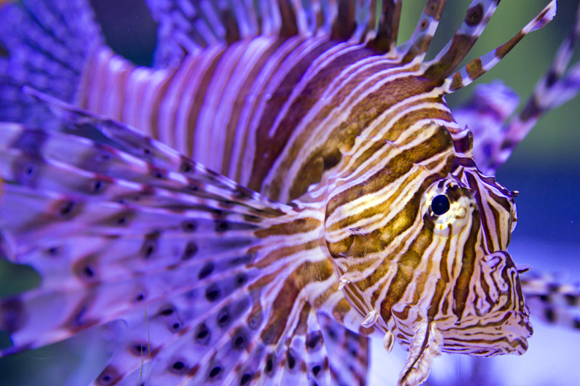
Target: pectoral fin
425 346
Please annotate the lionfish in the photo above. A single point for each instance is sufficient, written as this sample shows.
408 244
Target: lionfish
283 184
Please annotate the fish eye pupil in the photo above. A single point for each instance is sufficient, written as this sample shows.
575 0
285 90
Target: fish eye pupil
440 204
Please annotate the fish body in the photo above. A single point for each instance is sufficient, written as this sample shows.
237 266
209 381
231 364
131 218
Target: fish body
284 183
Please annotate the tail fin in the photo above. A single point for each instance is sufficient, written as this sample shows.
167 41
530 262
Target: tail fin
47 45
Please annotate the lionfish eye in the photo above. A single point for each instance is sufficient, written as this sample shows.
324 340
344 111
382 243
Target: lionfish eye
440 204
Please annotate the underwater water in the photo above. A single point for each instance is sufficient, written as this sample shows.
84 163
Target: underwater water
545 168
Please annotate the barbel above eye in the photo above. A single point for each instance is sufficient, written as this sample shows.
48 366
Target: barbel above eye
440 205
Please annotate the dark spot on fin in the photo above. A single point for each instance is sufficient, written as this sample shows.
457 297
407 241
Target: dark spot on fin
167 311
239 340
269 364
550 315
109 376
206 270
241 279
202 335
255 319
212 293
150 245
290 359
316 370
189 226
12 315
214 372
178 367
185 166
139 349
572 300
223 318
189 251
314 341
67 209
245 379
474 15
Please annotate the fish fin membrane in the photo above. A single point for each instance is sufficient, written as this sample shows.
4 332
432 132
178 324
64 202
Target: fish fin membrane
189 26
122 227
485 115
552 300
345 346
46 46
489 114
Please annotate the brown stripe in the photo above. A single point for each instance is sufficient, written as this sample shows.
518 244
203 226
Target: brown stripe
502 201
438 143
388 27
340 310
283 252
475 69
406 267
239 104
436 300
289 49
443 269
286 299
400 127
288 16
155 106
300 225
230 22
328 155
301 105
486 288
460 46
496 224
484 220
344 24
268 149
461 290
198 101
122 80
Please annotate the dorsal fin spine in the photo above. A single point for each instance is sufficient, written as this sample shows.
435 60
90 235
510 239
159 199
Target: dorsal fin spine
481 65
478 15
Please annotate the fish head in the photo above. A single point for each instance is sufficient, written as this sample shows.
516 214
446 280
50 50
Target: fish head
421 235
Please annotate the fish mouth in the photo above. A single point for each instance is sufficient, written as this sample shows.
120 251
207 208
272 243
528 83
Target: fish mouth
497 333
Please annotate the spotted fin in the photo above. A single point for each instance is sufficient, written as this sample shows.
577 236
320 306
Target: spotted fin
485 114
489 113
417 46
480 66
478 15
556 87
348 353
552 300
47 46
122 227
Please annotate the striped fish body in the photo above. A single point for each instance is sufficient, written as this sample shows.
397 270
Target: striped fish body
269 113
385 224
374 141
